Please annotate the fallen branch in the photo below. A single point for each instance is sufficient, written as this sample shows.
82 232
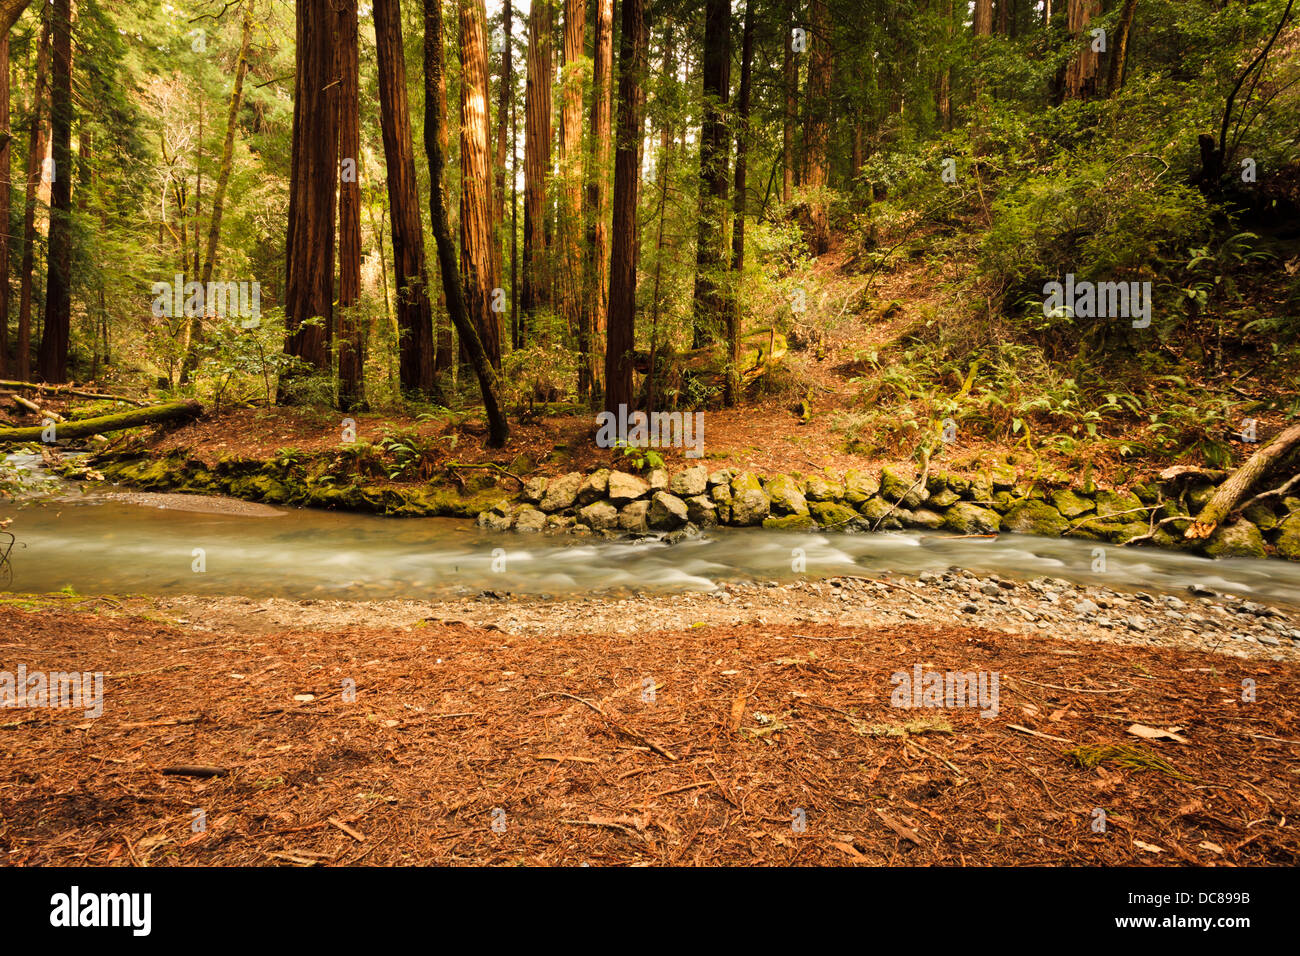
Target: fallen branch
1225 499
68 390
156 414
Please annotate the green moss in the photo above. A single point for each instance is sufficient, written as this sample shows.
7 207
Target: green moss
790 523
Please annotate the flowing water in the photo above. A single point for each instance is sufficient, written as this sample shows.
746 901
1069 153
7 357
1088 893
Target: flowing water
100 539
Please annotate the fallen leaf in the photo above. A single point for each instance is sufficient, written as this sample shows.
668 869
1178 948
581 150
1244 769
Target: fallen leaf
1154 733
1149 847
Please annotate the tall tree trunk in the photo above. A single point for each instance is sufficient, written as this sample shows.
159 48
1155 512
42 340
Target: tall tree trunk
537 159
309 276
597 304
444 359
435 122
710 301
817 130
219 196
414 317
738 227
35 175
945 75
1081 73
1119 48
352 326
790 113
570 233
6 161
478 265
621 338
53 358
983 24
505 101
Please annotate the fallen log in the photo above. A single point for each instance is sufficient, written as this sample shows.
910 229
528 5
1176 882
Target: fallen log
172 411
1225 499
69 390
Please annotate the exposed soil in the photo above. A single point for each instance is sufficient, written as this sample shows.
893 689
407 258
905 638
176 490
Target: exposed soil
544 727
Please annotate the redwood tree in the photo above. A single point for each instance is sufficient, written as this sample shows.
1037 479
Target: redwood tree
537 159
569 229
414 317
591 366
478 263
53 358
710 303
817 130
621 338
351 325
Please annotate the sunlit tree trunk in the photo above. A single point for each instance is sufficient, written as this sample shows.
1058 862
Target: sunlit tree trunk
570 232
738 228
35 175
537 160
817 130
53 357
477 262
1081 73
790 112
352 328
1119 48
710 299
597 213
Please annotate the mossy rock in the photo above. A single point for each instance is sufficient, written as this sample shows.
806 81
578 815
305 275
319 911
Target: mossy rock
1288 537
832 514
1122 503
787 498
1148 492
1003 477
1199 495
1261 516
1034 517
924 518
818 488
749 503
943 498
1003 501
967 518
900 486
801 522
1239 540
874 511
859 486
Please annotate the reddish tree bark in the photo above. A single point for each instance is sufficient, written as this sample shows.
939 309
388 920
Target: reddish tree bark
478 265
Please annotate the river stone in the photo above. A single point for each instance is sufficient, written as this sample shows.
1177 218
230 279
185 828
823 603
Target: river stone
873 510
1117 503
493 521
802 522
859 486
666 512
560 522
1004 477
720 477
690 482
658 479
1261 516
832 514
1071 504
966 518
702 511
1148 492
529 520
593 487
786 497
925 518
625 487
1034 517
818 488
897 485
1239 540
749 504
599 516
534 489
1198 496
633 516
1288 539
561 492
943 498
1003 501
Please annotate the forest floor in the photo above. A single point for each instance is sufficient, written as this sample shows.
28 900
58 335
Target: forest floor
768 736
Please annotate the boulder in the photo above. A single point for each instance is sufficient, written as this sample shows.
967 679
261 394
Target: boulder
749 503
873 510
690 482
1239 540
666 512
561 492
925 518
1034 517
720 477
802 522
1288 538
599 515
1071 504
898 485
534 488
658 479
529 520
1003 477
594 487
832 514
818 488
633 516
859 486
967 518
624 487
702 511
786 497
494 521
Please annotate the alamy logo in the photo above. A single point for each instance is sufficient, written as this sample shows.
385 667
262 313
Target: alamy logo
74 908
236 300
975 689
55 689
656 430
1098 300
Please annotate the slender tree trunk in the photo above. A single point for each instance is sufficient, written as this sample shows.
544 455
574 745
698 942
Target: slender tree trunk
219 196
570 232
738 227
477 263
537 159
444 360
983 24
621 339
1119 48
817 130
35 176
352 326
434 123
309 276
53 358
414 316
790 113
6 162
505 101
597 214
1081 73
710 301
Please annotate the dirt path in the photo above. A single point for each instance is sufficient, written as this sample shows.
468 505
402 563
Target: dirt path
760 742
